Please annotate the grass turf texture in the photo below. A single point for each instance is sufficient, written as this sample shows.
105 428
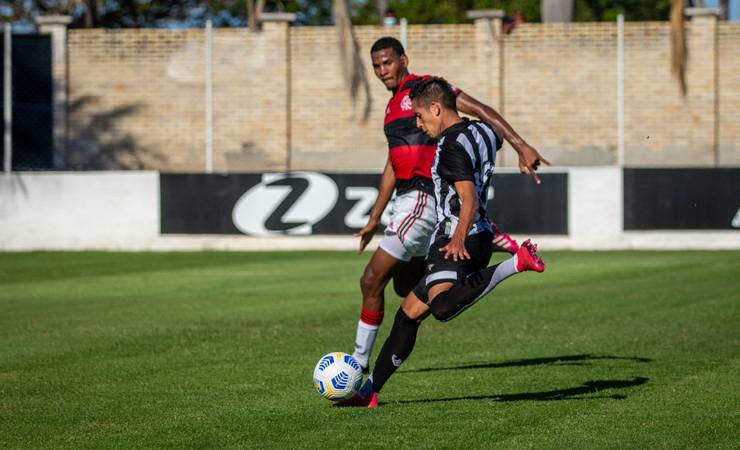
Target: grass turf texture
613 349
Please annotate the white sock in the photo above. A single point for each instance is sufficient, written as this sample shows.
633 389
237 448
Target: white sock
364 342
502 272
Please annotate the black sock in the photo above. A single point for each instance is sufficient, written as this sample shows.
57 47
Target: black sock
467 292
397 347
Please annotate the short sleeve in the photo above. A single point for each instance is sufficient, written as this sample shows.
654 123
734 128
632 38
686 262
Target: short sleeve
454 163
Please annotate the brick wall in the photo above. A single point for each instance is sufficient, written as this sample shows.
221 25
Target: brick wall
729 94
662 127
326 129
560 90
136 97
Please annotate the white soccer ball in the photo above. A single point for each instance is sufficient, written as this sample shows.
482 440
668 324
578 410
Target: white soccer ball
337 376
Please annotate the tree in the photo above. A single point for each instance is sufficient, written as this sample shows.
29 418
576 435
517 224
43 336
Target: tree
608 10
224 13
353 68
678 44
254 10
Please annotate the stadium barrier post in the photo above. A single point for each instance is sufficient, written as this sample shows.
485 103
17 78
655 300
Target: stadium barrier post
209 96
282 21
620 117
8 99
488 25
620 91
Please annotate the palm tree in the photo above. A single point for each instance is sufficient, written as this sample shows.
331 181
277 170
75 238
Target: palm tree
254 11
355 76
678 43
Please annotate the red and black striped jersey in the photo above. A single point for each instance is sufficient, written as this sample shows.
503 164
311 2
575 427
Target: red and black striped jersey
410 150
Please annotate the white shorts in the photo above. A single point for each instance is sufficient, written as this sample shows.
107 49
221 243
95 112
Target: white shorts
413 218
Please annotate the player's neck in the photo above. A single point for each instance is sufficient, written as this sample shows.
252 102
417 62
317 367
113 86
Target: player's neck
449 119
402 77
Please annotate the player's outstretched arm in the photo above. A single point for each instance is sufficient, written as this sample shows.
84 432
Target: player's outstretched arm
385 191
529 158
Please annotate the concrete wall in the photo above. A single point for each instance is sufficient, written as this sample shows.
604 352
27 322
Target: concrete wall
120 211
111 210
136 97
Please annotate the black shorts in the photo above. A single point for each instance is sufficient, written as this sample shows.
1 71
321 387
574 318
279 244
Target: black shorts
441 270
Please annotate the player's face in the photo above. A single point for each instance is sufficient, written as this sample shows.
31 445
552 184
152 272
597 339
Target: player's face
389 67
429 119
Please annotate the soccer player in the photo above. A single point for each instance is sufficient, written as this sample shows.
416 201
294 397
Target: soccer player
400 255
456 274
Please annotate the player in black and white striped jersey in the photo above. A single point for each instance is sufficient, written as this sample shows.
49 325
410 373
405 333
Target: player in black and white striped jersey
456 275
465 151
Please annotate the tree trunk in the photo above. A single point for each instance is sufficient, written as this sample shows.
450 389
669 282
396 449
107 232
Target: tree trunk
557 10
382 6
678 44
254 11
353 69
91 13
597 9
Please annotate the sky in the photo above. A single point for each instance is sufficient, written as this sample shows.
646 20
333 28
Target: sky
734 13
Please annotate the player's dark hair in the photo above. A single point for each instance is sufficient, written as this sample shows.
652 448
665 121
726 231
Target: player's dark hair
388 42
434 89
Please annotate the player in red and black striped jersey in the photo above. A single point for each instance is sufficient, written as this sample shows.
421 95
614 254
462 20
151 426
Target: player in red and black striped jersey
400 255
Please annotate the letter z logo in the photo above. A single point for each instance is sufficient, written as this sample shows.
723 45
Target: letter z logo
285 204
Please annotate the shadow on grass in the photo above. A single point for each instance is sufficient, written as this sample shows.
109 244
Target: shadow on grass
567 360
575 393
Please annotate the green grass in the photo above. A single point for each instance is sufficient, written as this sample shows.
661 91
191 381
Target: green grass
180 350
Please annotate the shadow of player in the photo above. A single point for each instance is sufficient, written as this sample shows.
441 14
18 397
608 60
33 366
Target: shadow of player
573 360
581 392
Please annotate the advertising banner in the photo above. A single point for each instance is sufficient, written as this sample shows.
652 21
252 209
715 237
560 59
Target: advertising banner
681 199
305 203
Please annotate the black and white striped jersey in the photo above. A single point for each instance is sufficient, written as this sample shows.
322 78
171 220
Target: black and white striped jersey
465 152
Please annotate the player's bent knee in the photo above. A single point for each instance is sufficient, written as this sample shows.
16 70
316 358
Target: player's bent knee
414 308
442 313
444 308
370 282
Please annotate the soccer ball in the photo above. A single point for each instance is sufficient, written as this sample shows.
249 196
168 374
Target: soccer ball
337 376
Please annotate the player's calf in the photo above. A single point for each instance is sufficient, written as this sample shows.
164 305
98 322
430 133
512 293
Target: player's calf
397 347
453 302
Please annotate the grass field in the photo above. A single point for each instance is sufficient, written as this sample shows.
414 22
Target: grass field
216 350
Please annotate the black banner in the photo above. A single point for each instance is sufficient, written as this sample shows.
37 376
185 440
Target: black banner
303 203
523 207
681 199
33 144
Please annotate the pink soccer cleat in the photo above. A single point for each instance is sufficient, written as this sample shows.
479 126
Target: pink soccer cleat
502 242
528 259
357 400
